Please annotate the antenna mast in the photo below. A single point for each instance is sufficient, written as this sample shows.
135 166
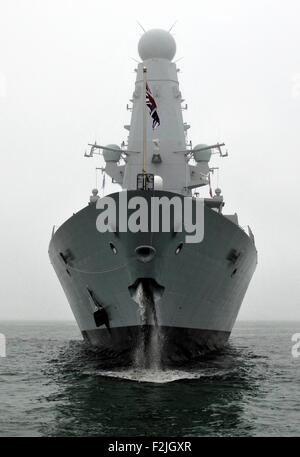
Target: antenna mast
145 124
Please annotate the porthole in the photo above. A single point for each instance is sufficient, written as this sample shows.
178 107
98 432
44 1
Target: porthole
178 249
113 248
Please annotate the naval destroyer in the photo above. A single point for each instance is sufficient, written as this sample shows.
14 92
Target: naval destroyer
131 283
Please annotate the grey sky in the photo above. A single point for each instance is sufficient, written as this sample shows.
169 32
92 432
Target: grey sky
66 75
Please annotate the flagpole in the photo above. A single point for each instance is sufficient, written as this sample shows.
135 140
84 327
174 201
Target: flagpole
144 125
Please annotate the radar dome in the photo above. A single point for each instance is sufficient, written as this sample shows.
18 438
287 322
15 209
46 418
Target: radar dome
112 156
157 43
202 156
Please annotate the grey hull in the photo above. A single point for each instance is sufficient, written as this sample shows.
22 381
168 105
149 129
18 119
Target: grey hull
204 284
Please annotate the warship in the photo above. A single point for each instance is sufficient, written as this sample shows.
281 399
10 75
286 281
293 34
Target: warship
135 284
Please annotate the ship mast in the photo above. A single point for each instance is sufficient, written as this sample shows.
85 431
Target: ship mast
144 125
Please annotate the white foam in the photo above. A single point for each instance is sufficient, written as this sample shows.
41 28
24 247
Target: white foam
148 375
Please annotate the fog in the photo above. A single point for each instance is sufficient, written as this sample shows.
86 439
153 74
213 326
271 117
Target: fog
66 75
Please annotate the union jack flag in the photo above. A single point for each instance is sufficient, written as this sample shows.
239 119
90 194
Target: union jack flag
150 102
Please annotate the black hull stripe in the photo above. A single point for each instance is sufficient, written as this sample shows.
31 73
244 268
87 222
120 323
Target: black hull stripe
176 342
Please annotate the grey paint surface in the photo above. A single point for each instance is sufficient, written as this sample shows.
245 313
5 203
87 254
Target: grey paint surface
200 290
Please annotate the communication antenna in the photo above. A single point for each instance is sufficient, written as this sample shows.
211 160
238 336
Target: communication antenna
172 26
180 58
135 60
141 26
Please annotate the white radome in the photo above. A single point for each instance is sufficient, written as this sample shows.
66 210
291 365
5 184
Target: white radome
157 43
112 156
202 156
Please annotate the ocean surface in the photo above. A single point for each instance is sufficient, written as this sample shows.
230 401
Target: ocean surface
51 384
